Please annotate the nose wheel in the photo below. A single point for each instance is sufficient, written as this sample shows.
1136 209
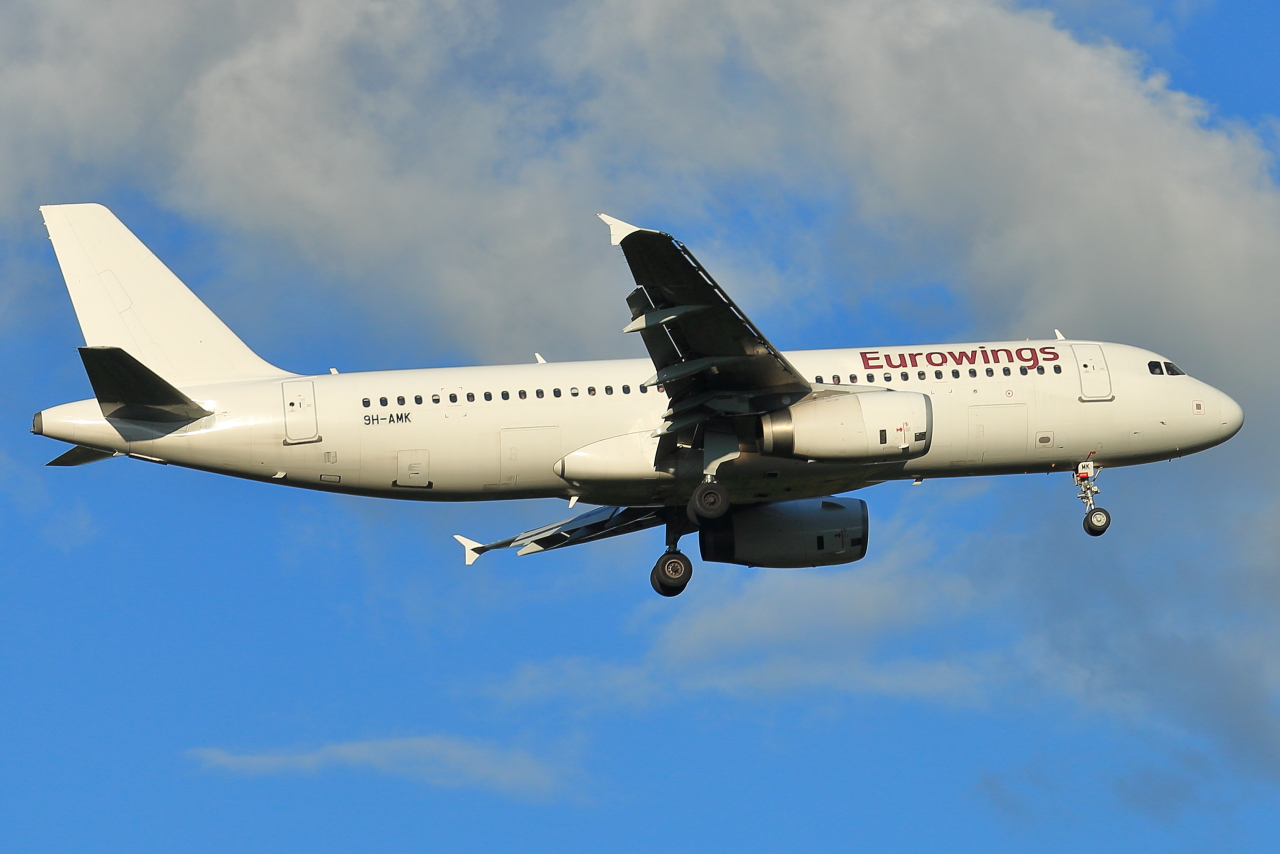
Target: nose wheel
1096 520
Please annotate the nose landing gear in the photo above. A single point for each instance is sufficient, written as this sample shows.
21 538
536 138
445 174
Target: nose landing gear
1096 520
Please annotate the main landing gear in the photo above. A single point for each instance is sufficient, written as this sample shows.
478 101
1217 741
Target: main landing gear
1096 520
673 570
710 501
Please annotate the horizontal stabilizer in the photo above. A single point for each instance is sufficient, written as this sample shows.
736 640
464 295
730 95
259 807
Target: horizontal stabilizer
80 455
127 389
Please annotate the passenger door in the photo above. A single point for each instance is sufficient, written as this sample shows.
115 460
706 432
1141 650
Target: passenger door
1095 380
300 424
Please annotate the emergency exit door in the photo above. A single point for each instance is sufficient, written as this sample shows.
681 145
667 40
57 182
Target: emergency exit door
300 412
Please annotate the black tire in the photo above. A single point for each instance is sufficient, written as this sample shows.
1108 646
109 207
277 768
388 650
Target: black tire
709 501
1096 522
671 574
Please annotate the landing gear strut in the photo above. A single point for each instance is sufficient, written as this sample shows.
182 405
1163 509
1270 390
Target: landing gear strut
673 570
1096 520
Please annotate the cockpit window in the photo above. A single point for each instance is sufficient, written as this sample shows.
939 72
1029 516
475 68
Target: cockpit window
1173 370
1154 367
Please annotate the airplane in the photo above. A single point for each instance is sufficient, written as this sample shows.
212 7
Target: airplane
718 433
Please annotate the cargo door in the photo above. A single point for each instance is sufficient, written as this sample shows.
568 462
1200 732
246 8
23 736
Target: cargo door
998 433
300 412
528 453
1095 380
413 469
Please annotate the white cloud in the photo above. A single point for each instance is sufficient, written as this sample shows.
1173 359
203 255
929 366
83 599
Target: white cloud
440 162
445 761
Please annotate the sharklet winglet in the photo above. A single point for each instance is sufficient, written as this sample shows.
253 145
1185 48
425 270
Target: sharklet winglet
473 549
618 230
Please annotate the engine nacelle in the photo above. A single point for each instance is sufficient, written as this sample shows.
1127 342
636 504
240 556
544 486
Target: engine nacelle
788 535
875 426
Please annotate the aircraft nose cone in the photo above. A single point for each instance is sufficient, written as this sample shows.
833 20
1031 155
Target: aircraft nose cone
1232 417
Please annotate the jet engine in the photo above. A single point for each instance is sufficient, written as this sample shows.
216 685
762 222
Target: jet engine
790 534
875 426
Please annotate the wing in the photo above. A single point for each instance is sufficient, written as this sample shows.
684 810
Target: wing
711 360
598 524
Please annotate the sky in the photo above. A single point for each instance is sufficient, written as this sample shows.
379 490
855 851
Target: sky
198 663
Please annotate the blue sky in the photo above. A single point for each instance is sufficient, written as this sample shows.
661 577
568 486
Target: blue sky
202 664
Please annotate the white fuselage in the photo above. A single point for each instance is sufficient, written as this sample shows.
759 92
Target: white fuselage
499 432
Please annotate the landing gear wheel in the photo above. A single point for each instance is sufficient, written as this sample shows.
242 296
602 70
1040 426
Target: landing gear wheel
710 501
671 574
1096 522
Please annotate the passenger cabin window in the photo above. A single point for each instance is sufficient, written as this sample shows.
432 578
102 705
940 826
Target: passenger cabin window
453 398
955 374
538 394
644 389
382 401
1155 368
365 402
417 398
591 390
835 379
573 392
871 378
888 378
1022 369
1057 369
1173 370
488 395
817 379
920 375
853 378
608 389
973 372
555 392
1039 369
626 389
471 397
435 398
506 395
1005 371
991 372
905 376
400 400
523 394
937 375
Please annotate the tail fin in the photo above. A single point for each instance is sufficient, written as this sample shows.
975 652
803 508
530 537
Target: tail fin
125 297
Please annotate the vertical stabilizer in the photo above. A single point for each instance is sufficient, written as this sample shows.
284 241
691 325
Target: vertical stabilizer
125 297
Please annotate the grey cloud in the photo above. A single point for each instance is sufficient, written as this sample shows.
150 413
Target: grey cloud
445 761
